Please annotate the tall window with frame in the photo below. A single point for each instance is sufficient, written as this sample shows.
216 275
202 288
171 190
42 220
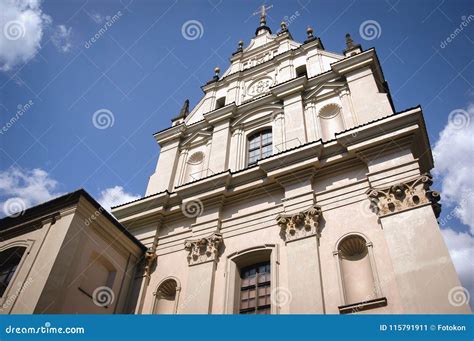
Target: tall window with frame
9 261
260 146
255 289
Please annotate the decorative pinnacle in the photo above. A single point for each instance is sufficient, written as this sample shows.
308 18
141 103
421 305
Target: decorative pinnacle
217 70
241 44
309 31
283 26
349 41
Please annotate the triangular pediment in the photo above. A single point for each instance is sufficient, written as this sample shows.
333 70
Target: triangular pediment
322 89
196 138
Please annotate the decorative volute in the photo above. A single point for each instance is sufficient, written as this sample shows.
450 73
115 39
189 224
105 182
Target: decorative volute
405 195
301 224
204 249
150 258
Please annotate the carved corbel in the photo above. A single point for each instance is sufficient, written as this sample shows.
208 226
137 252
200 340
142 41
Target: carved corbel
150 258
203 249
301 224
404 195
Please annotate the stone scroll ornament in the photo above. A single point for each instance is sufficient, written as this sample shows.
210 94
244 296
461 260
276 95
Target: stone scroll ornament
300 225
203 249
405 195
150 258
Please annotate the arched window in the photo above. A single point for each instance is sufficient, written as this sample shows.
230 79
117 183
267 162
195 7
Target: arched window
166 297
194 167
330 118
9 261
260 146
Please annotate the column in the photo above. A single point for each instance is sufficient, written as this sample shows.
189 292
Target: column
301 234
423 268
202 256
294 121
220 147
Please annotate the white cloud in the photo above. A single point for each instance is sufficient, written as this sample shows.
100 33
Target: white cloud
454 162
461 249
114 196
61 38
22 25
25 188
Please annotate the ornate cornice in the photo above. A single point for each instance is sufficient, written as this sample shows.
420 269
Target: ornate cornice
405 195
300 225
204 249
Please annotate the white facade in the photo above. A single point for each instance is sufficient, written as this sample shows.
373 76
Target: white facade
341 210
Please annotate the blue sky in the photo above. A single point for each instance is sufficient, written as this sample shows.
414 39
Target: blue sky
142 68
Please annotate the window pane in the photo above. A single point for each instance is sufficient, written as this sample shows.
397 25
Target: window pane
255 297
260 146
252 293
244 304
266 151
9 260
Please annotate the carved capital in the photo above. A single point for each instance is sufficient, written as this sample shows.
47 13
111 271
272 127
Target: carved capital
300 225
203 249
403 196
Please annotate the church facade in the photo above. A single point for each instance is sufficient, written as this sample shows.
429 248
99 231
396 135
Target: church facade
292 187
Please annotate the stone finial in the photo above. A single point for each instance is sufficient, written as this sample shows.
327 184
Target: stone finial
283 26
351 47
203 249
309 32
217 70
403 196
240 48
349 41
301 224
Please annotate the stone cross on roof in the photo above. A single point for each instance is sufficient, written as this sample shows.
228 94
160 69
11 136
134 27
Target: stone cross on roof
263 14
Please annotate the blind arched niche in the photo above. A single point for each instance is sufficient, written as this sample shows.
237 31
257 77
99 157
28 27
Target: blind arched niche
330 120
166 297
358 277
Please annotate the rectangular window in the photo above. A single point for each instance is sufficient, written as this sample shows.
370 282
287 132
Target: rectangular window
260 146
255 289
